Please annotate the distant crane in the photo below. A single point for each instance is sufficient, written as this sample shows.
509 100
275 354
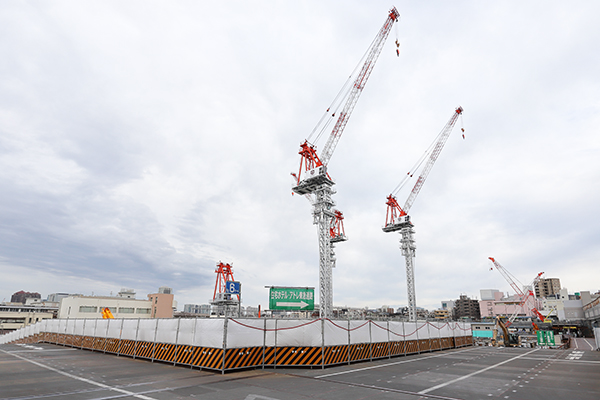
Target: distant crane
224 274
397 218
312 177
523 296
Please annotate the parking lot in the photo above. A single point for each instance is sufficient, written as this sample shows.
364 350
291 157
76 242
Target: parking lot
45 371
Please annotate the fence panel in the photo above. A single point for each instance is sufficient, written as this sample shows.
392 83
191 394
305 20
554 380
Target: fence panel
36 328
245 333
53 325
146 330
166 331
271 333
78 330
299 333
379 331
336 333
187 327
209 332
359 332
129 330
70 327
90 327
101 327
114 328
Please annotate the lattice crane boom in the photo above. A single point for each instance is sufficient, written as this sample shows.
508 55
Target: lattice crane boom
524 296
358 86
432 159
309 159
394 211
508 277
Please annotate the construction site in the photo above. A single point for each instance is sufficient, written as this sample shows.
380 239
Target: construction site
322 355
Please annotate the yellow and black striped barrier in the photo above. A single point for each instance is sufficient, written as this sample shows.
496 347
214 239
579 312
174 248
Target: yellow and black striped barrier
87 342
412 346
99 344
397 348
269 356
243 358
144 350
185 354
127 347
360 352
298 356
165 352
207 357
336 355
380 350
112 345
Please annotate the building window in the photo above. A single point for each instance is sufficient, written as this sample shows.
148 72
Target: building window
142 311
92 309
126 310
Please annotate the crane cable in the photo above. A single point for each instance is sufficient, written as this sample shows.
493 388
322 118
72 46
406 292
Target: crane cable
425 155
342 95
418 164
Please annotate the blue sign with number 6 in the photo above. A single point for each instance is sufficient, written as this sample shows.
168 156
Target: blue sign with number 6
232 287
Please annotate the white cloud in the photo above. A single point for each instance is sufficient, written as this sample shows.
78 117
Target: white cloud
139 146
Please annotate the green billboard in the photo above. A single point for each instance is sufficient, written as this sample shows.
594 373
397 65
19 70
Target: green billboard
292 298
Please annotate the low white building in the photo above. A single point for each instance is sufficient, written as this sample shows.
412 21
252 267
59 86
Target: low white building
565 306
92 306
16 315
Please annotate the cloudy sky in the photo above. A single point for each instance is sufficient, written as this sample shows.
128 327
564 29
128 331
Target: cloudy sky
142 142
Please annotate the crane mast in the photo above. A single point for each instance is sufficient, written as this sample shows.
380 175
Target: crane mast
312 177
397 218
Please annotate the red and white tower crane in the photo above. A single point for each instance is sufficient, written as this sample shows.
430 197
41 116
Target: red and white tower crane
312 177
524 296
397 218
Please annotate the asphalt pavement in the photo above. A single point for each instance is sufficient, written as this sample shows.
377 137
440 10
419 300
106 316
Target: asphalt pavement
46 371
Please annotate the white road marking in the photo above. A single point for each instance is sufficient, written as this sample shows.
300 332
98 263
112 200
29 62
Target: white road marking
575 355
258 397
474 373
394 363
89 381
40 349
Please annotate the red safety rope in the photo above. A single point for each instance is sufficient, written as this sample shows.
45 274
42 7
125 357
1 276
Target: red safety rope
273 330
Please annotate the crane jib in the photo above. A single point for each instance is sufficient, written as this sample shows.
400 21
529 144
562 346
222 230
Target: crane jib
357 88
